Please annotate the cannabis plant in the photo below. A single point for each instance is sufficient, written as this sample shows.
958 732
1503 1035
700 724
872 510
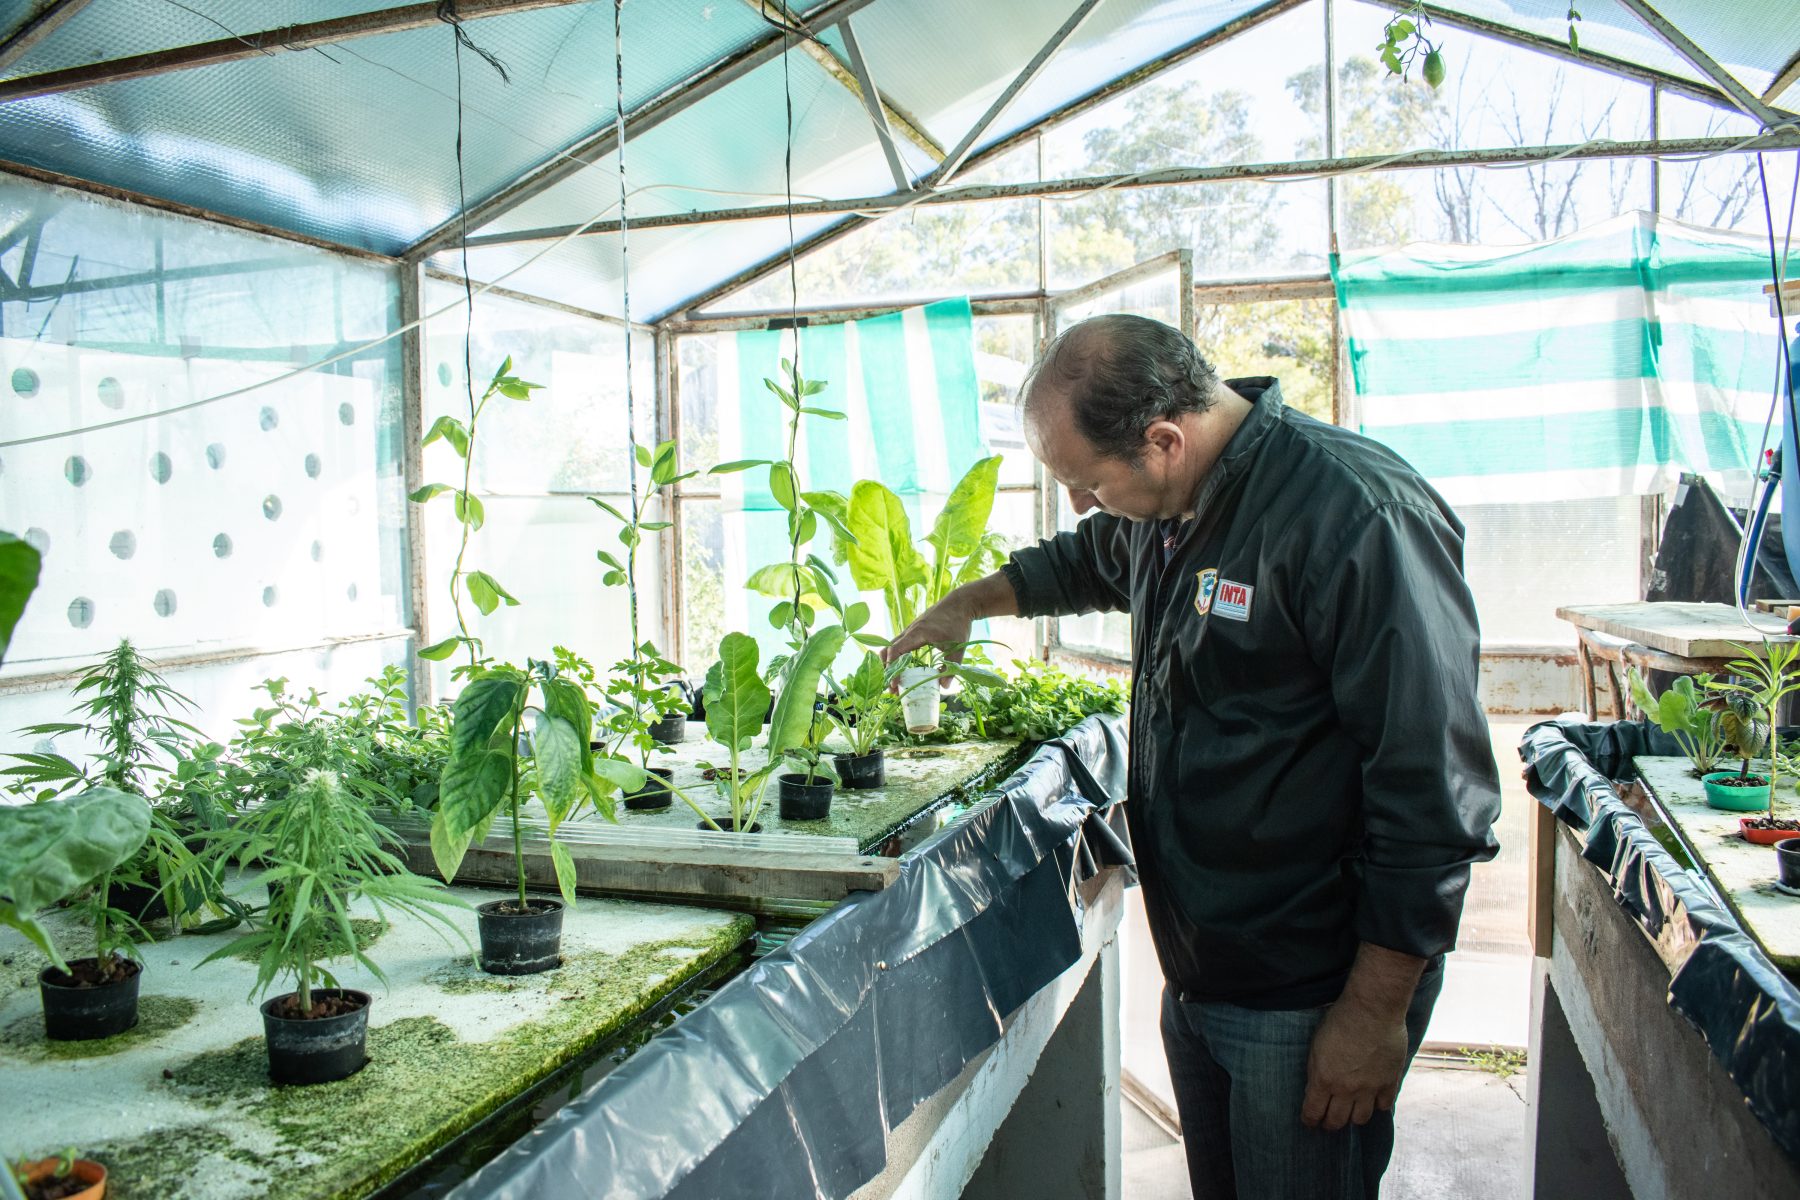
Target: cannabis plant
483 588
320 850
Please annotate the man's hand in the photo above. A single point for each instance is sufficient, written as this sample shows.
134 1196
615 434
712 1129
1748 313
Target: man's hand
1359 1051
947 622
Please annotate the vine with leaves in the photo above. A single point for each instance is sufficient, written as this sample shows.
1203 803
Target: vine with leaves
1404 42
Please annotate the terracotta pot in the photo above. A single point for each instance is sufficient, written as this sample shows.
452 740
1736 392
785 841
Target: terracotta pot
1764 837
85 1169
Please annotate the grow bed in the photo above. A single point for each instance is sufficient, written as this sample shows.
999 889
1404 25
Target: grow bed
181 1105
1742 873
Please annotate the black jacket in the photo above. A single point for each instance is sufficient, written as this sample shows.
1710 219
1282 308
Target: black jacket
1310 767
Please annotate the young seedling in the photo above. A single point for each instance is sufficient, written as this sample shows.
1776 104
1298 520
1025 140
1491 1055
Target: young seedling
1753 691
1682 712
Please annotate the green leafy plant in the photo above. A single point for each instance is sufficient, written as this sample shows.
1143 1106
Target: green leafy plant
484 590
52 849
1039 702
1753 691
321 850
737 697
958 550
488 773
24 1171
20 564
1403 42
865 703
1683 712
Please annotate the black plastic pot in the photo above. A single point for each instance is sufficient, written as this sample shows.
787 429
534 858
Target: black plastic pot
726 825
655 793
861 770
520 943
1787 863
803 801
671 729
318 1049
79 1014
138 901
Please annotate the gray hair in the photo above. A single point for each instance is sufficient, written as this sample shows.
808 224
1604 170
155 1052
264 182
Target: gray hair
1120 374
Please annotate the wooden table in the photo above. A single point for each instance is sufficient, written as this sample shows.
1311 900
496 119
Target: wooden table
1684 639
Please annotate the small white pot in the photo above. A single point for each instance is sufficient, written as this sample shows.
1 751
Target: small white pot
919 698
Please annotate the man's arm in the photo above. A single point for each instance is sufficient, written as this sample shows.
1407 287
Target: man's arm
1393 624
1086 569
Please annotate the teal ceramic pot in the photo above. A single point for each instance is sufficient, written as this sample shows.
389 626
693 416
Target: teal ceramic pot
1732 798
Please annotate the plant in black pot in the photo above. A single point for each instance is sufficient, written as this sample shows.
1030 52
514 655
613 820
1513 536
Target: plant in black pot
1753 689
865 703
805 790
492 769
321 850
50 851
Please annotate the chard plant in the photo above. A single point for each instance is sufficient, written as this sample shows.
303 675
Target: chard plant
484 590
487 774
737 697
866 703
321 850
1685 713
51 850
1753 691
125 710
640 687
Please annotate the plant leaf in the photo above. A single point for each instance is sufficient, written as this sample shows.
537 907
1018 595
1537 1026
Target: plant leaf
20 564
452 431
429 491
487 593
49 850
781 485
471 788
482 707
439 651
736 696
469 509
964 518
882 558
565 871
792 719
736 465
556 753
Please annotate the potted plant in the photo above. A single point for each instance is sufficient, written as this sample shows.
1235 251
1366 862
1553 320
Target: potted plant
483 588
49 851
1753 692
805 790
737 696
486 774
863 704
64 1177
1685 713
320 849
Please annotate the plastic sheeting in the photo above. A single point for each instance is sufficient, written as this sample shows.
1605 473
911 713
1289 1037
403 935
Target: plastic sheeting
789 1080
1744 1007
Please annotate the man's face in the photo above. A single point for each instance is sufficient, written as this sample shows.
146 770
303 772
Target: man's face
1095 481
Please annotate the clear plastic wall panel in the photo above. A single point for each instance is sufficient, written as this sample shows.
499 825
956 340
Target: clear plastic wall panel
570 436
1523 561
1289 339
703 584
698 389
1606 27
729 151
1722 192
1158 298
1005 348
1105 634
221 692
1490 207
1015 519
668 266
122 28
910 257
542 550
266 519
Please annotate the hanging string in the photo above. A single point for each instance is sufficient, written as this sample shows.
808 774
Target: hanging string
631 463
446 12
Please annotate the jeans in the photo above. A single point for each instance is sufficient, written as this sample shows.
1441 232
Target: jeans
1240 1078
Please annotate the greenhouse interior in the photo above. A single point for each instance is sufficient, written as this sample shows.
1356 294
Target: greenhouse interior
899 598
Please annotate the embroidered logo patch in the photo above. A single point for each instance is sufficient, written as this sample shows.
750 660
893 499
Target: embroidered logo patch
1206 583
1234 599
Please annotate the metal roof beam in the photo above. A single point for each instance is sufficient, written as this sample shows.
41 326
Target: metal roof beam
1784 79
877 109
676 98
1020 82
1703 62
255 45
37 29
1416 160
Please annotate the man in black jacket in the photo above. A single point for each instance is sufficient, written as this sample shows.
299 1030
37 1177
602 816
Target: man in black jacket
1310 772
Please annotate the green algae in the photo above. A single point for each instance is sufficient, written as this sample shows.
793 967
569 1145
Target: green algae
157 1015
164 1162
423 1084
368 931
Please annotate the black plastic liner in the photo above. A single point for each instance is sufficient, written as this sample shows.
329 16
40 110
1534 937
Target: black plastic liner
787 1082
1726 987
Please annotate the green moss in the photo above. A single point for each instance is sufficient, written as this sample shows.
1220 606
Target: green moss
423 1084
368 931
165 1161
157 1015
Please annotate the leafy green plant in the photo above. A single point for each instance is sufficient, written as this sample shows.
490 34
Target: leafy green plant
1039 702
321 850
959 549
52 849
486 591
1753 691
1683 713
20 564
22 1170
866 703
1403 42
737 697
488 773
